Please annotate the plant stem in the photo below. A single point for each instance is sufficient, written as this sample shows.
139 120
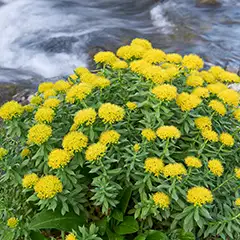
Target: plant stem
223 183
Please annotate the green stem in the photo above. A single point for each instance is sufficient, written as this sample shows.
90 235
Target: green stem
202 148
165 147
223 183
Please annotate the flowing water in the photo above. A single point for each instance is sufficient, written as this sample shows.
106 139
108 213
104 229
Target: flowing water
49 38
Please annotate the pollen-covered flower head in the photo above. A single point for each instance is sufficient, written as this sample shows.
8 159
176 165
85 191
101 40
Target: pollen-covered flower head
141 42
25 152
51 103
208 77
49 93
119 64
101 82
199 196
201 92
226 139
39 133
85 116
111 113
109 137
166 132
187 101
216 71
237 172
236 114
95 151
130 52
105 57
203 123
58 158
36 100
131 105
156 74
229 77
210 135
216 167
194 81
45 86
30 180
44 115
71 236
74 142
154 56
12 222
154 165
139 66
230 97
80 71
218 107
174 170
136 147
149 134
48 186
165 92
174 58
10 110
192 62
237 202
61 86
161 199
216 88
194 162
3 153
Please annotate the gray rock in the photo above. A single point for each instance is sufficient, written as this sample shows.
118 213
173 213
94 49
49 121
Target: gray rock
202 3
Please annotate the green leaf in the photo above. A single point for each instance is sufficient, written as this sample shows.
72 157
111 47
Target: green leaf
9 236
125 199
113 236
182 235
118 215
37 236
157 235
55 220
102 225
128 226
141 237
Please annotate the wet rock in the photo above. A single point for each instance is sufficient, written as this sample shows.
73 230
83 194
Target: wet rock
201 3
7 91
23 96
233 68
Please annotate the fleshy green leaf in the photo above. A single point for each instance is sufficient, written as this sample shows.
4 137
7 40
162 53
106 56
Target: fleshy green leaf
128 226
157 235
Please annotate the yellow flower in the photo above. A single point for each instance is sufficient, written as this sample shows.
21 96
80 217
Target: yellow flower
136 147
193 162
73 78
171 73
154 165
45 86
210 135
95 151
81 70
154 56
165 92
111 113
156 74
149 134
216 88
25 152
39 134
207 77
10 110
174 58
237 202
194 81
187 101
139 66
109 137
229 77
141 42
203 123
58 158
12 222
131 105
236 114
129 52
216 71
199 196
74 142
78 92
216 167
161 199
105 57
192 62
61 86
230 97
226 139
119 65
237 172
89 78
51 103
44 114
218 107
201 92
36 100
87 116
166 132
28 108
30 180
101 82
174 170
49 93
3 153
48 186
71 236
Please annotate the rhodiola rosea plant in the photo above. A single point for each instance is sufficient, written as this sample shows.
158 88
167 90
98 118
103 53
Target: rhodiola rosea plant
146 147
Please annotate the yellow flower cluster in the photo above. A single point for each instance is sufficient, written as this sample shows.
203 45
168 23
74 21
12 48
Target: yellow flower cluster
58 158
36 100
71 236
174 170
199 196
30 180
207 77
201 92
95 151
193 162
136 147
210 135
216 71
141 42
194 81
192 62
149 134
51 103
203 123
61 86
105 57
230 97
216 88
39 134
10 110
111 113
218 107
166 132
74 142
187 101
154 56
87 116
45 86
236 114
165 92
161 199
80 71
25 152
49 93
237 202
3 153
130 52
237 172
119 64
12 222
216 167
174 58
131 105
226 139
109 137
44 115
154 165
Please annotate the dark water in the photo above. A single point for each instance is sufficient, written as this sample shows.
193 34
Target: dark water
48 38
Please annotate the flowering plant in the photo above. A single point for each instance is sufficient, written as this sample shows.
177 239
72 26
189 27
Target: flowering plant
145 148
